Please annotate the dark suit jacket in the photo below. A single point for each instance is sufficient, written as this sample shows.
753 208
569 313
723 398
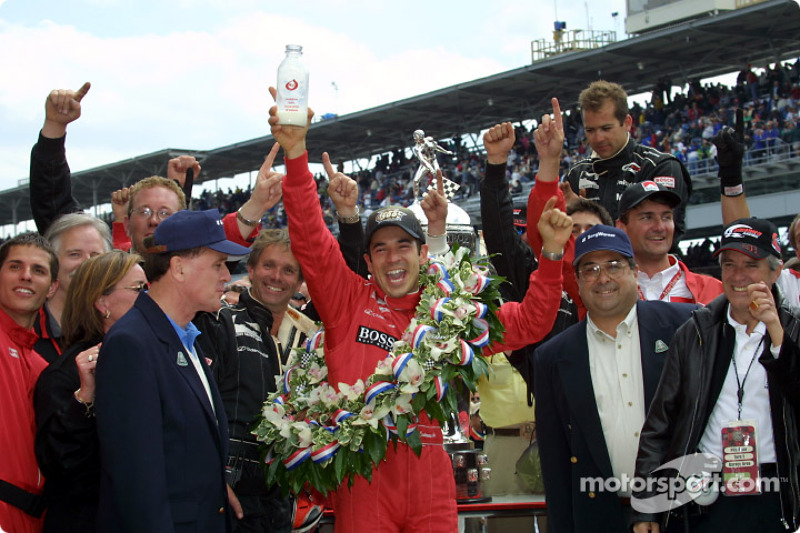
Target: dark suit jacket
568 428
163 449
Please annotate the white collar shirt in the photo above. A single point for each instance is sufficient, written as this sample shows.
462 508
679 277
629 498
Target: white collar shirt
653 288
755 402
615 365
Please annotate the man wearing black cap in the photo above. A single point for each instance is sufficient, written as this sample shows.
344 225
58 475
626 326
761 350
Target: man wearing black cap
363 319
593 384
730 383
161 424
647 215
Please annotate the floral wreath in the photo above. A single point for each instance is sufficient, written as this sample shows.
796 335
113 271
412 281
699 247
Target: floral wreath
316 435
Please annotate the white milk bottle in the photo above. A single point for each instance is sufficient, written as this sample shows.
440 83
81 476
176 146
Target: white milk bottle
292 97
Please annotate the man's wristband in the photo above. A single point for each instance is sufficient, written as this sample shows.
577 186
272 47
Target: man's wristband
351 219
553 256
244 220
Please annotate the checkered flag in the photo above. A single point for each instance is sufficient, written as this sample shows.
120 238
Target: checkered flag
450 187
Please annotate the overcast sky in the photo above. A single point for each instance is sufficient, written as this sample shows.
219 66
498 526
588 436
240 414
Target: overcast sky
194 74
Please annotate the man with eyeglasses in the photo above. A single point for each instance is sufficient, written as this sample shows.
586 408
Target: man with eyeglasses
593 384
139 209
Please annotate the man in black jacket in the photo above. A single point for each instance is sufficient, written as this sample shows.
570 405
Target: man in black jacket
732 371
247 344
617 160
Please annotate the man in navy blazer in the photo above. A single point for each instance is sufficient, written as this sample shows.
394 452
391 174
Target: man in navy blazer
593 385
162 427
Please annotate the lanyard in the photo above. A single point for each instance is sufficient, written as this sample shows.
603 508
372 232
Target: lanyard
667 289
740 384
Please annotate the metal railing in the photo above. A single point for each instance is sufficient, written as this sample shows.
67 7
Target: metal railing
570 41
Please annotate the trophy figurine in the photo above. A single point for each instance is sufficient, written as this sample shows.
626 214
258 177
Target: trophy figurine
425 149
459 225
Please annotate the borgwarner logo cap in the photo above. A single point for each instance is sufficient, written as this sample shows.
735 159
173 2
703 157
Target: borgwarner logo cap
602 237
755 237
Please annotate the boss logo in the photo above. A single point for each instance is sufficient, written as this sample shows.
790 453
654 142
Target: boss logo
374 337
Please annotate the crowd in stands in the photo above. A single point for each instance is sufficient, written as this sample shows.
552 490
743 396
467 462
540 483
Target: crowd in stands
680 123
135 318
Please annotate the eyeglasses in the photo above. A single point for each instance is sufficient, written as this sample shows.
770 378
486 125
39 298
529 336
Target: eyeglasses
139 287
613 269
146 212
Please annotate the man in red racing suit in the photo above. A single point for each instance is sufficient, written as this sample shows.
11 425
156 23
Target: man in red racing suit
362 320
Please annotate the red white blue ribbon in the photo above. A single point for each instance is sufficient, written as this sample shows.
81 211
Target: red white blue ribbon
325 453
419 334
388 423
481 282
483 338
480 309
446 285
438 309
294 460
437 268
286 378
441 388
466 354
315 342
341 415
375 389
400 363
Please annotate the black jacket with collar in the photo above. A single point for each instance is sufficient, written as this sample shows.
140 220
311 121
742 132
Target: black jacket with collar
243 359
694 371
608 178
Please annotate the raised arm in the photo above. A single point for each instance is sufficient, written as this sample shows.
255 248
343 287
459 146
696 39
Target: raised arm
51 189
529 321
434 204
266 194
730 152
343 192
511 256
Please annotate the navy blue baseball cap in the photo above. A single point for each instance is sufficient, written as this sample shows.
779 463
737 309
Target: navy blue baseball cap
193 229
601 237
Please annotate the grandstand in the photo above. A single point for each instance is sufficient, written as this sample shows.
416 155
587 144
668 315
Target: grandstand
760 34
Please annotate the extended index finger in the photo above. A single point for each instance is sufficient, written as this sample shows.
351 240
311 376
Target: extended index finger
557 114
273 153
82 91
551 203
439 182
326 162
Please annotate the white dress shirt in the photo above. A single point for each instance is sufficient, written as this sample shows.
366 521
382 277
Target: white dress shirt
615 365
755 402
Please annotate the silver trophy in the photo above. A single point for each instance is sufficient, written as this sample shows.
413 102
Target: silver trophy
425 149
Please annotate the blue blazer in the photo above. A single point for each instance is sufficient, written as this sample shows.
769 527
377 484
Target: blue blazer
163 449
568 428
